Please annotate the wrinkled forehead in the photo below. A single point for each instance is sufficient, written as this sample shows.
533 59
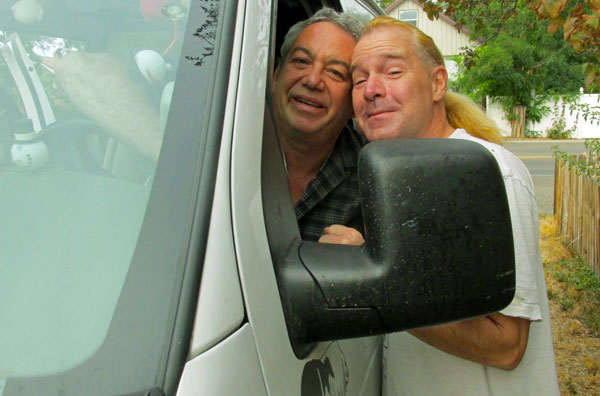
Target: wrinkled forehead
326 37
387 38
384 43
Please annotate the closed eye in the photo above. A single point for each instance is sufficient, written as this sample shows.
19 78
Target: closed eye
300 61
338 74
358 82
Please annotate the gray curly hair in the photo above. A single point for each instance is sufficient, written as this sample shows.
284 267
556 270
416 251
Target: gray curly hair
345 21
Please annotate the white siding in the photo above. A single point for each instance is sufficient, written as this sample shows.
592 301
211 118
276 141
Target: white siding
584 129
447 38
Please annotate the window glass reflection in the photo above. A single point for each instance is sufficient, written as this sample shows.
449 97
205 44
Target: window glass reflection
85 93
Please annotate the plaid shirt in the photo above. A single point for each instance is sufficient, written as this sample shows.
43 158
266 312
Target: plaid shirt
332 197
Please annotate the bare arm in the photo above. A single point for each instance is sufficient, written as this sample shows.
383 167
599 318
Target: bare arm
99 86
495 340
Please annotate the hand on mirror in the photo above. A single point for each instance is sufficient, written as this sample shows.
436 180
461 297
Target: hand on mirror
341 235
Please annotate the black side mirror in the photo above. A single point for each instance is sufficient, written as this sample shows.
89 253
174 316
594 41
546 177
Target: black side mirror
438 247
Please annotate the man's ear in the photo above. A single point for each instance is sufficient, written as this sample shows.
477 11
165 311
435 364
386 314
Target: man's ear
439 81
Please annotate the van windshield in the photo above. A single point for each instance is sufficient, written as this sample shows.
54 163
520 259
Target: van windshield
86 88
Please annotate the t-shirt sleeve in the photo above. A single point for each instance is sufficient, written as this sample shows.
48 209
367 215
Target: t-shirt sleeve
525 225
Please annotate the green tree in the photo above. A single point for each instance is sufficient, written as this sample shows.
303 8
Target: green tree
518 63
385 3
579 21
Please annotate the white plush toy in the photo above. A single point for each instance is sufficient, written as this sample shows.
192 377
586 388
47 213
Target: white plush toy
27 11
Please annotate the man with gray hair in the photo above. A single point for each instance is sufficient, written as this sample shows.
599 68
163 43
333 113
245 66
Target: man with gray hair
312 106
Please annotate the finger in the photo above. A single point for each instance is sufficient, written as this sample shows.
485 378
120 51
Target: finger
352 235
335 239
346 239
338 229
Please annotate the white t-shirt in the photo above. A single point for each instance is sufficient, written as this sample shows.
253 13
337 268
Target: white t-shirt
412 367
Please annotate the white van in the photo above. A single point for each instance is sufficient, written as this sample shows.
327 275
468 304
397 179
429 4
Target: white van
148 241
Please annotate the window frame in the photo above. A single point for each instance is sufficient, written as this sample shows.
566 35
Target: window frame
413 21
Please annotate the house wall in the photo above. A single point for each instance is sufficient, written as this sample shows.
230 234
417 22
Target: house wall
442 31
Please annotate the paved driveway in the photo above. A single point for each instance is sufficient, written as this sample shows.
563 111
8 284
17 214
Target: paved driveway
537 156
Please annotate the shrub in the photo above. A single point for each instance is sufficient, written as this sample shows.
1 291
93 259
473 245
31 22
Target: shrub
559 129
590 166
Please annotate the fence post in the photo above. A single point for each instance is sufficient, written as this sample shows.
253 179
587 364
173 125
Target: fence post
577 209
558 191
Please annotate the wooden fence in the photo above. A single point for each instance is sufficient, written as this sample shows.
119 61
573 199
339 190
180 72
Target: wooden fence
577 207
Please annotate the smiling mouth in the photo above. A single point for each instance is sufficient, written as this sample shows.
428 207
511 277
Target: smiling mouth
377 111
309 103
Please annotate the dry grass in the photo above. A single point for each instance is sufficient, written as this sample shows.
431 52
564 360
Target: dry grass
574 296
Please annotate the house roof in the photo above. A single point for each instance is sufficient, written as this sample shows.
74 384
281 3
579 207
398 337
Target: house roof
443 17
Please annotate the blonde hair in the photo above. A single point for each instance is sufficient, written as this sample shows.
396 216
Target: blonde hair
461 112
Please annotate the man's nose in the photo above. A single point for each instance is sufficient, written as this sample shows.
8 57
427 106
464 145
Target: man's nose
374 88
313 79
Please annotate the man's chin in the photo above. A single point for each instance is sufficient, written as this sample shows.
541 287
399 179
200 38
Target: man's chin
317 127
308 129
381 133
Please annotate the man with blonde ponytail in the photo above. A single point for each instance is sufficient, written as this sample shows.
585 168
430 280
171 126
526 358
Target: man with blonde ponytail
399 91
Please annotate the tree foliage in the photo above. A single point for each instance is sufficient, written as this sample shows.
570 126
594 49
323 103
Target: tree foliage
589 166
518 62
578 20
385 3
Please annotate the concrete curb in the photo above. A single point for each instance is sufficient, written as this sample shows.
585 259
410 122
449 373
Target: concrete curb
544 141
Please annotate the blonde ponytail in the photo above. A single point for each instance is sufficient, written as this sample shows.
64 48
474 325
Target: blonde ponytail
462 112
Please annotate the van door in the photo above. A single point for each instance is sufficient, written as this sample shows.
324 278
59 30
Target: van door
348 367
